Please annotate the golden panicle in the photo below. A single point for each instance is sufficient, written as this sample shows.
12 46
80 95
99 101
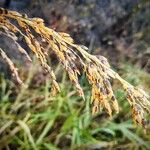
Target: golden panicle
75 59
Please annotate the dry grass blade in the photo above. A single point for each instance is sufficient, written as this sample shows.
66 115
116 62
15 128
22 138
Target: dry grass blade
97 69
24 126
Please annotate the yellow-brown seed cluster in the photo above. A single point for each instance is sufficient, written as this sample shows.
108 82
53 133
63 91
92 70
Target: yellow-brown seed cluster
96 68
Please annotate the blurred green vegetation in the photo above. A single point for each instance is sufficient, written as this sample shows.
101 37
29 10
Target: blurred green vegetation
30 118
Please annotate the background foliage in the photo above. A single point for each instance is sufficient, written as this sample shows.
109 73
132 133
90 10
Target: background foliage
39 121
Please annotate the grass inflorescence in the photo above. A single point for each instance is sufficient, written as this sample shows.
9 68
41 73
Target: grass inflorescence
41 39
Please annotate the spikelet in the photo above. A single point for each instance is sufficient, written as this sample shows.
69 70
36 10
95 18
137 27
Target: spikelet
11 65
96 68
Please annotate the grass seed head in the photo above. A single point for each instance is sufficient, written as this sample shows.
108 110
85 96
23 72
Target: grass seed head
96 68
